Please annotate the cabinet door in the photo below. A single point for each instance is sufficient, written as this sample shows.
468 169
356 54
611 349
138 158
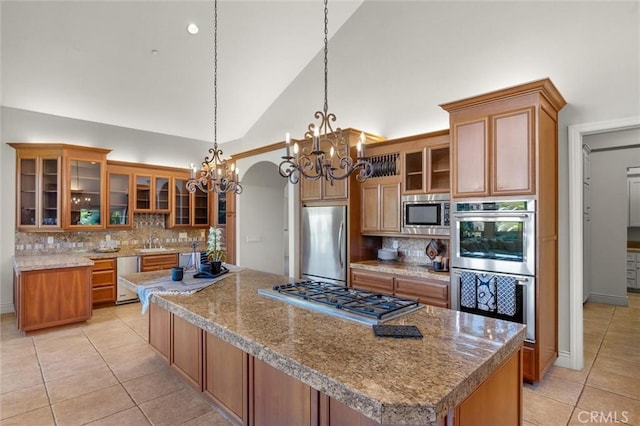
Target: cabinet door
161 194
186 348
85 184
333 412
225 376
470 159
634 200
279 399
143 193
200 208
414 172
338 189
160 330
181 204
50 193
513 153
119 192
310 190
370 203
390 207
373 281
439 176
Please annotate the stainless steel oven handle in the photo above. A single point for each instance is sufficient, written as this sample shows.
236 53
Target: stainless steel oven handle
480 216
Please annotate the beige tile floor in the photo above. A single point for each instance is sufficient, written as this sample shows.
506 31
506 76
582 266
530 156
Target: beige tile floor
104 373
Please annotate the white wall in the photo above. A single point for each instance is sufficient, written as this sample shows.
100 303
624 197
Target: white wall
384 64
260 216
611 154
127 145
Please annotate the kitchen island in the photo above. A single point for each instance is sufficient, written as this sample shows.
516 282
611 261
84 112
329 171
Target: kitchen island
264 361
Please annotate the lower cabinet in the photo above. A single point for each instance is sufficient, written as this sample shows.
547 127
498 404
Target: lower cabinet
52 297
157 262
427 292
160 331
186 351
226 377
103 281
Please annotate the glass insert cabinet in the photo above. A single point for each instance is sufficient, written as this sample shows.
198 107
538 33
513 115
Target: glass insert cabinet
59 186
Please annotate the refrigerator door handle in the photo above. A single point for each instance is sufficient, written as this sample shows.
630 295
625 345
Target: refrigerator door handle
340 245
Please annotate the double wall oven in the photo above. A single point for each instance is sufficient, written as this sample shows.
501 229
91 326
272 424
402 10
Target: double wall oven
493 259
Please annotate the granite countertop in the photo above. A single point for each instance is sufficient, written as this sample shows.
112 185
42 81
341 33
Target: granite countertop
399 268
33 262
397 381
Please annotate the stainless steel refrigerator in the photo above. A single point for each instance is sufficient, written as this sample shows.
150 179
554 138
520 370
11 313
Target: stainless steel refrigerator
324 243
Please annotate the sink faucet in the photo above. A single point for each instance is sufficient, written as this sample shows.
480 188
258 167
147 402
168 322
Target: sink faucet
150 241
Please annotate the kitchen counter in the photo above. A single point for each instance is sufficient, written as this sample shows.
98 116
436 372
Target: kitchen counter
33 262
396 381
399 268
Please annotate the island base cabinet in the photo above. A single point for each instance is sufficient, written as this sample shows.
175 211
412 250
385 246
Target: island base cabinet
52 297
277 398
226 377
498 400
186 351
335 413
160 331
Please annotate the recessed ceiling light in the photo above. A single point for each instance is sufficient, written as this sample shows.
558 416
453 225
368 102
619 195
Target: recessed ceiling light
192 29
154 52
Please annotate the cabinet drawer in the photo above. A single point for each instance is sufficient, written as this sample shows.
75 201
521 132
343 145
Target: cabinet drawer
103 278
103 264
159 261
632 283
631 257
372 281
422 289
103 294
631 274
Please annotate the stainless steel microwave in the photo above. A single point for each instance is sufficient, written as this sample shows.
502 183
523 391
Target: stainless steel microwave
426 214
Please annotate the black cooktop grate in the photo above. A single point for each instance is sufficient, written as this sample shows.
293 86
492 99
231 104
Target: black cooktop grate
361 302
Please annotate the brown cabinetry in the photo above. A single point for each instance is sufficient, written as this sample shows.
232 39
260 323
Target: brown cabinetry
160 331
505 143
381 205
119 194
152 192
60 186
52 297
103 281
186 351
190 210
426 291
226 377
278 399
156 262
425 162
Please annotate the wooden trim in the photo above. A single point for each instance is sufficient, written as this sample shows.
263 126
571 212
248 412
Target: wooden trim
260 150
544 86
151 167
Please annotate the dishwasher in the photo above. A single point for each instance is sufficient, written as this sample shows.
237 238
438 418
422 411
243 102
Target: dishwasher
126 265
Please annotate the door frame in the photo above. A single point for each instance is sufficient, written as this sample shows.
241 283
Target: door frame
576 134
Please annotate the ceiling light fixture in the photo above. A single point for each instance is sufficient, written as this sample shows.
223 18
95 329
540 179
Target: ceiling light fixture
315 164
216 175
192 29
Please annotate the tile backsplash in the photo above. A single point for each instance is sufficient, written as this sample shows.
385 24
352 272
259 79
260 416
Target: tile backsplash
145 226
413 250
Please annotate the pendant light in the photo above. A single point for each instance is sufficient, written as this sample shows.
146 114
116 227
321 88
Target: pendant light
216 175
316 163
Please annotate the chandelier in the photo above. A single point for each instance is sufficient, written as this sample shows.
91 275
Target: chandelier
315 163
216 175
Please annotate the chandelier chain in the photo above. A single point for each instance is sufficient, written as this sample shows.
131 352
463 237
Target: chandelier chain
215 74
326 60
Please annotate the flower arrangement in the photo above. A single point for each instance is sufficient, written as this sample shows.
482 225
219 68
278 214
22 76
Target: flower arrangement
216 252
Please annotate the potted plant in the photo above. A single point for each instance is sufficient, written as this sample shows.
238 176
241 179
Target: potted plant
216 252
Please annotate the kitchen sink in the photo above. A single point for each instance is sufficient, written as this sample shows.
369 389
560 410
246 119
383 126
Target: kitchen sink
153 250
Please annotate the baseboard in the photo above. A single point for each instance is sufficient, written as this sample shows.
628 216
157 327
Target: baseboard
563 360
6 308
608 299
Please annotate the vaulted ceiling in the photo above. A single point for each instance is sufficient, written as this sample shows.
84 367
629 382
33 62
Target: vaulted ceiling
133 63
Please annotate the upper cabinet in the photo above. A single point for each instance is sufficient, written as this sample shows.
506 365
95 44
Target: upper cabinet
321 189
425 163
494 139
189 209
152 192
119 195
60 186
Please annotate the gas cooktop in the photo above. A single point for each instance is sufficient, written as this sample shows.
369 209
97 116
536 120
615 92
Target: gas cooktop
355 304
